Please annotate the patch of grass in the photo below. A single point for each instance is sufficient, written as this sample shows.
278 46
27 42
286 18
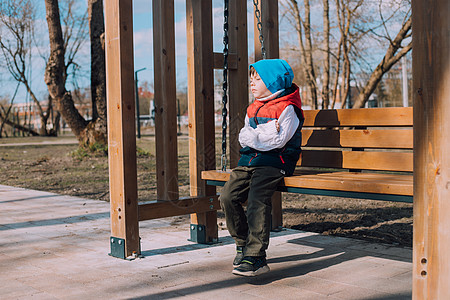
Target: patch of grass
94 150
142 152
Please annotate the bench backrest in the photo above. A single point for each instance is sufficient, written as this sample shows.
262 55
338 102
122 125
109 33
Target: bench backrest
358 139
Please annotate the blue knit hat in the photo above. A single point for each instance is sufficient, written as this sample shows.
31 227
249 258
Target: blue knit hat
275 73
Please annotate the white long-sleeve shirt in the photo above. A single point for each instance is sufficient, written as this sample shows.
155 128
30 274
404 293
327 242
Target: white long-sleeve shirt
265 137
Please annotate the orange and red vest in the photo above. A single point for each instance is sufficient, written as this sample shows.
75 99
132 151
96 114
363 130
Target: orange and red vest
262 112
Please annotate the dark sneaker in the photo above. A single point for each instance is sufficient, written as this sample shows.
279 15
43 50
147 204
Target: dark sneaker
239 256
252 266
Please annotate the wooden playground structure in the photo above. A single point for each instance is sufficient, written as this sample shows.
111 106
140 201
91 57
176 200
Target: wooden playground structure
430 181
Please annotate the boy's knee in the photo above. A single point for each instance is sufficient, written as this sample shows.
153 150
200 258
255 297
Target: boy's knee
225 199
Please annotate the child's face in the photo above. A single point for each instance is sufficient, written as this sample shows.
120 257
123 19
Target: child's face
258 87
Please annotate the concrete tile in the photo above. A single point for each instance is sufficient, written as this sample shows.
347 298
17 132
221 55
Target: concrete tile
406 277
59 250
37 296
320 286
387 285
357 293
16 289
277 291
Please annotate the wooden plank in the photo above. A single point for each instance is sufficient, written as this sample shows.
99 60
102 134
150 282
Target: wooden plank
382 161
165 100
343 181
121 125
202 155
216 175
164 209
386 117
232 60
383 185
378 138
238 78
431 94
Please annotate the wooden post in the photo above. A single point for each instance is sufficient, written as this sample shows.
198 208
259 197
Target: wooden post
165 100
238 77
202 154
121 125
431 81
269 19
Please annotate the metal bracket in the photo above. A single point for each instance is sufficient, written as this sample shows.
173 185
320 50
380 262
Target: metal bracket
198 233
117 247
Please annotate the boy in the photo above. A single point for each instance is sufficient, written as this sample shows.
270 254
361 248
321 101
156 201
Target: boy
271 140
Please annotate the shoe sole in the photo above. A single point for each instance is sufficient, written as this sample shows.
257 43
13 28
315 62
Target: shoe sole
260 271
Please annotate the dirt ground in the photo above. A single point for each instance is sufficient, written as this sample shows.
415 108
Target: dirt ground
56 166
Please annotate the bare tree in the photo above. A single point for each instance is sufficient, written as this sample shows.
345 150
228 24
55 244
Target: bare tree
344 45
393 54
326 61
87 132
98 68
7 118
303 28
17 27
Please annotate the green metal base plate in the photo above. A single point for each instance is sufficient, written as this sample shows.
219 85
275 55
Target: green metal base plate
117 247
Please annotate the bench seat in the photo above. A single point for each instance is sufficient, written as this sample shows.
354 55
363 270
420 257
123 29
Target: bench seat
369 150
376 186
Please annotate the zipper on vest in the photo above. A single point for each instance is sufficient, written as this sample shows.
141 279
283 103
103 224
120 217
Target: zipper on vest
256 113
281 156
252 158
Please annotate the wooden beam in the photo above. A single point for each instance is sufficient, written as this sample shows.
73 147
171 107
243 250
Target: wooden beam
165 100
121 125
232 61
368 117
164 209
202 154
393 184
238 77
365 160
381 139
431 94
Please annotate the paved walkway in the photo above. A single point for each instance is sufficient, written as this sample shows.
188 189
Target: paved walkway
55 247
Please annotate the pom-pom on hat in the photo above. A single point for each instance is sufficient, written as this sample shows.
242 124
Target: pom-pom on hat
275 73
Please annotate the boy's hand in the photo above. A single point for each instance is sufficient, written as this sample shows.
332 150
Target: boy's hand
277 125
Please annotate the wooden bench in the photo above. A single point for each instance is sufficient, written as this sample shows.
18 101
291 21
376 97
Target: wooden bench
357 153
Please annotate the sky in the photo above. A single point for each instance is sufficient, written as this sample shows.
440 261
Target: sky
143 35
143 47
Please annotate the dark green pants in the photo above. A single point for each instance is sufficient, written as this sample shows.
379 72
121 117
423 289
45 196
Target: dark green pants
257 185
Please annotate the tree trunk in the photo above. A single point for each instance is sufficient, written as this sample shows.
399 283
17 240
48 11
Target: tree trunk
97 131
334 92
98 68
389 59
309 54
55 71
55 78
298 19
326 49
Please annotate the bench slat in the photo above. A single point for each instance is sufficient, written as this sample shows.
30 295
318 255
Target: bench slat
385 117
383 139
393 184
381 161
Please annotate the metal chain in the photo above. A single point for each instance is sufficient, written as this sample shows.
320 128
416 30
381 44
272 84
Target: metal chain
223 160
259 26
